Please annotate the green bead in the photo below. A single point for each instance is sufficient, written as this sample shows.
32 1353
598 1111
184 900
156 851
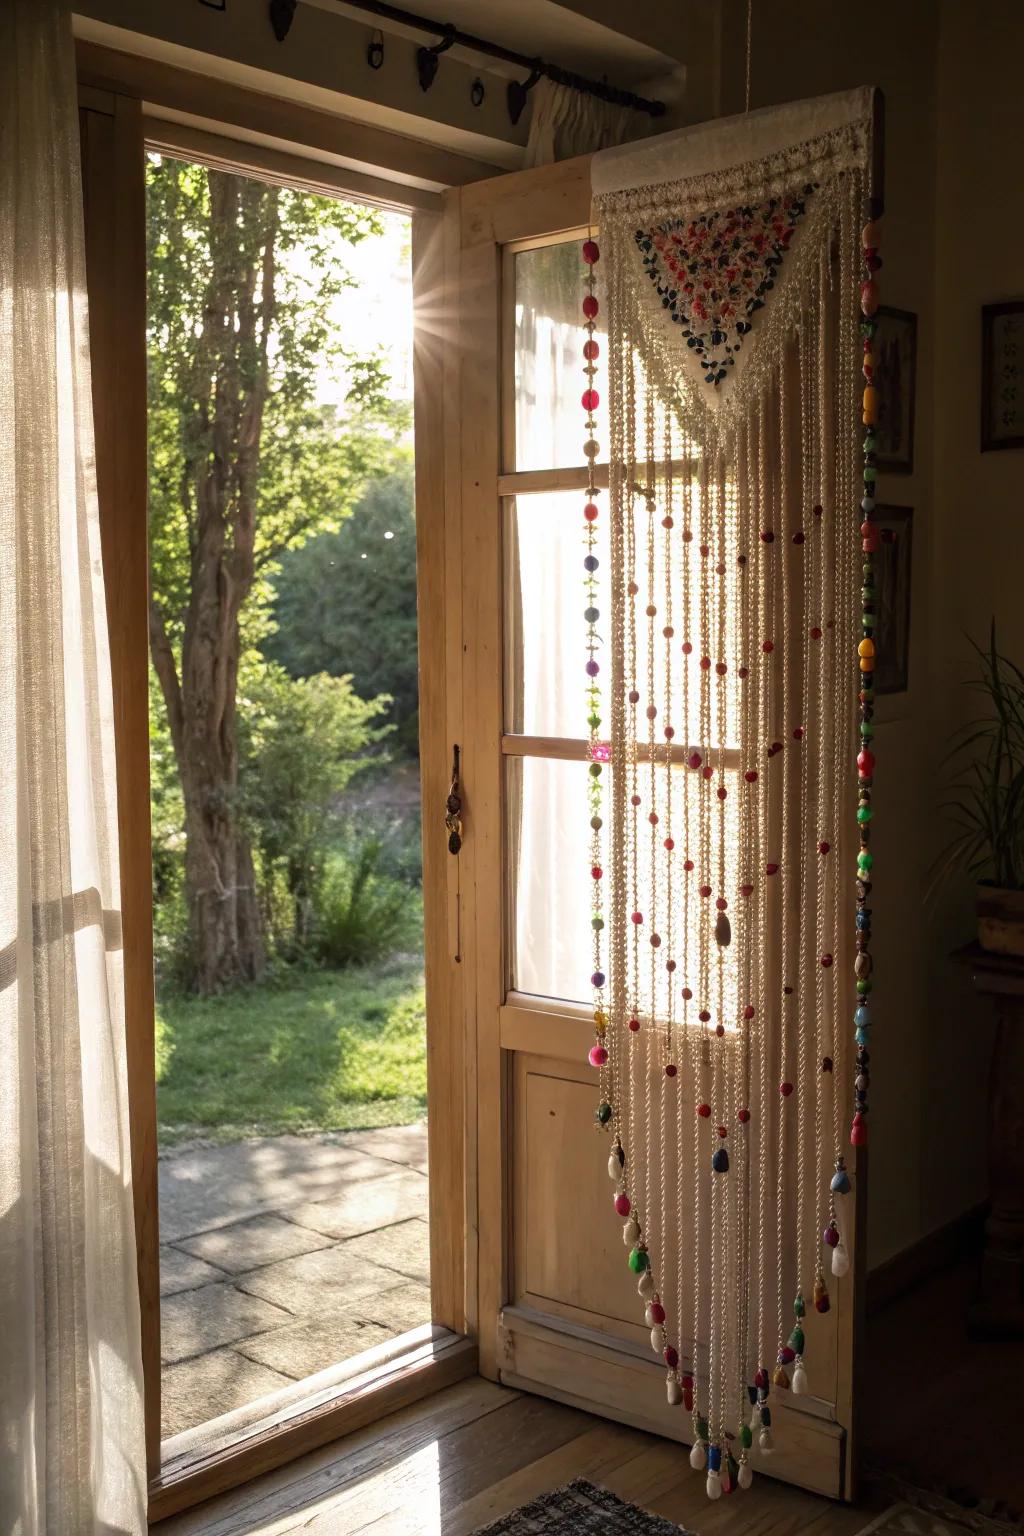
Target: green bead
864 861
746 1437
799 1306
603 1113
796 1340
595 770
867 594
864 813
867 730
597 923
863 988
638 1260
867 620
593 721
870 474
870 443
702 1428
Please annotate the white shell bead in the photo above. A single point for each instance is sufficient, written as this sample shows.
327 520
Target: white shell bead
673 1391
714 1485
649 1315
765 1441
657 1338
645 1285
698 1456
614 1168
745 1475
631 1231
840 1260
798 1381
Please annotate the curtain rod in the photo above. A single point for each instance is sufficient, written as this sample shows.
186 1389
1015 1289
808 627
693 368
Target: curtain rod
450 35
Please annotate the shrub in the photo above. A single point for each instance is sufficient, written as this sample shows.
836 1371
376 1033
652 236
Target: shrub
361 913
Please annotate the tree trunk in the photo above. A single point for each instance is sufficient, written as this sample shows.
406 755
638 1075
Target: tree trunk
222 443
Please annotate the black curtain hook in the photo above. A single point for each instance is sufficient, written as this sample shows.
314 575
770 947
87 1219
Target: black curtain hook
518 90
375 50
427 58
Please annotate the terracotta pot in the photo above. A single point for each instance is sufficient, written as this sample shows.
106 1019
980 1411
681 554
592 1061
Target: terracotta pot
1001 920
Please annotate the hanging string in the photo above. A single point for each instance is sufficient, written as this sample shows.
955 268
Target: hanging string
750 29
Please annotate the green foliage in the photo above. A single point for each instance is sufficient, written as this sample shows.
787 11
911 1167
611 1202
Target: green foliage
301 742
321 1051
345 602
988 804
363 913
312 460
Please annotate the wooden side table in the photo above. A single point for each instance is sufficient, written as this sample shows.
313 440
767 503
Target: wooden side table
998 1312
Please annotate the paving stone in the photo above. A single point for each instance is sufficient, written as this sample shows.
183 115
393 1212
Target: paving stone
194 1322
207 1187
197 1390
181 1272
397 1310
400 1143
304 1348
260 1240
404 1248
316 1282
366 1205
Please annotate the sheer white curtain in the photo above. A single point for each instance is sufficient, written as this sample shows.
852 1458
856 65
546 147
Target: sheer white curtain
72 1459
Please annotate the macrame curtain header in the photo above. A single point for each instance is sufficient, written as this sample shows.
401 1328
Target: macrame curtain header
729 652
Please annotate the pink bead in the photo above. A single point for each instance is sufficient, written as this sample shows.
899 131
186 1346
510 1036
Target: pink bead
598 1055
590 400
622 1204
590 252
858 1131
638 918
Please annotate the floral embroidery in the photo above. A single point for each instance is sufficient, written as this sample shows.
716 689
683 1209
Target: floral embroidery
712 273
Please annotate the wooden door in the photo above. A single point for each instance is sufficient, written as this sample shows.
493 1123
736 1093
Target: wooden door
554 1304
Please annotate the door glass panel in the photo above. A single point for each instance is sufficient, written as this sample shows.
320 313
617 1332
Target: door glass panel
549 377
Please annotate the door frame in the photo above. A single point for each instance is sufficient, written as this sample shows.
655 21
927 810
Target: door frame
120 101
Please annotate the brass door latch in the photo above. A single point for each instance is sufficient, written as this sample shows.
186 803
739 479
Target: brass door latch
453 807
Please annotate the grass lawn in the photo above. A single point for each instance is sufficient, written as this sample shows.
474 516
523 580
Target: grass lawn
325 1050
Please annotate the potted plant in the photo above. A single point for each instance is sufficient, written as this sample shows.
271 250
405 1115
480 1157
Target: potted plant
987 801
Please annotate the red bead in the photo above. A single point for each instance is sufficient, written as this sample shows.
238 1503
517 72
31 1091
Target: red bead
721 668
655 940
687 865
670 731
719 1030
826 961
771 869
787 1355
638 918
670 966
670 843
597 872
688 1399
591 350
704 1016
705 550
743 672
653 818
815 632
686 647
704 1110
598 1056
786 1089
823 848
622 1204
632 588
760 1377
705 890
866 762
694 759
746 890
798 537
671 1356
743 1116
590 512
769 645
687 994
590 252
657 1312
817 511
722 792
634 799
634 1025
590 306
723 1130
798 733
826 1063
767 536
708 772
751 776
748 1012
705 663
667 522
670 1070
721 903
858 1131
590 400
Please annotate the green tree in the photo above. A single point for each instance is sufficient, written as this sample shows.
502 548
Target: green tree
244 464
370 635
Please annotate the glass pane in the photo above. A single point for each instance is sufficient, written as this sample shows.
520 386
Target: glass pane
545 630
549 290
549 863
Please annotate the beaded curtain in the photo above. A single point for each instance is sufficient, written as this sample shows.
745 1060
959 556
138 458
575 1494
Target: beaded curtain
724 685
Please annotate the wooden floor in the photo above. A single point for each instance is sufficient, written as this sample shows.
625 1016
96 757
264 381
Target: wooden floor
472 1453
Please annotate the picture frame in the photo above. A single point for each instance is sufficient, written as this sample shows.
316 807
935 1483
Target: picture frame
1002 375
895 349
893 575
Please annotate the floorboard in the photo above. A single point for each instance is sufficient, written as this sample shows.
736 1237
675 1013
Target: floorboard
470 1454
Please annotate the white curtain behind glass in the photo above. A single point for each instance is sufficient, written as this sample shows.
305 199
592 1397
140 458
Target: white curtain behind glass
72 1460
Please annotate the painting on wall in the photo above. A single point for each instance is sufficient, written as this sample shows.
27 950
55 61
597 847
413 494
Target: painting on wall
895 348
892 580
1002 376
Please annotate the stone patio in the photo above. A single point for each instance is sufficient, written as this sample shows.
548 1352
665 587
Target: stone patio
284 1255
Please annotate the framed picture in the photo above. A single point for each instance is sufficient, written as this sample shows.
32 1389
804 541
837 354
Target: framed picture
892 581
895 349
1002 376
